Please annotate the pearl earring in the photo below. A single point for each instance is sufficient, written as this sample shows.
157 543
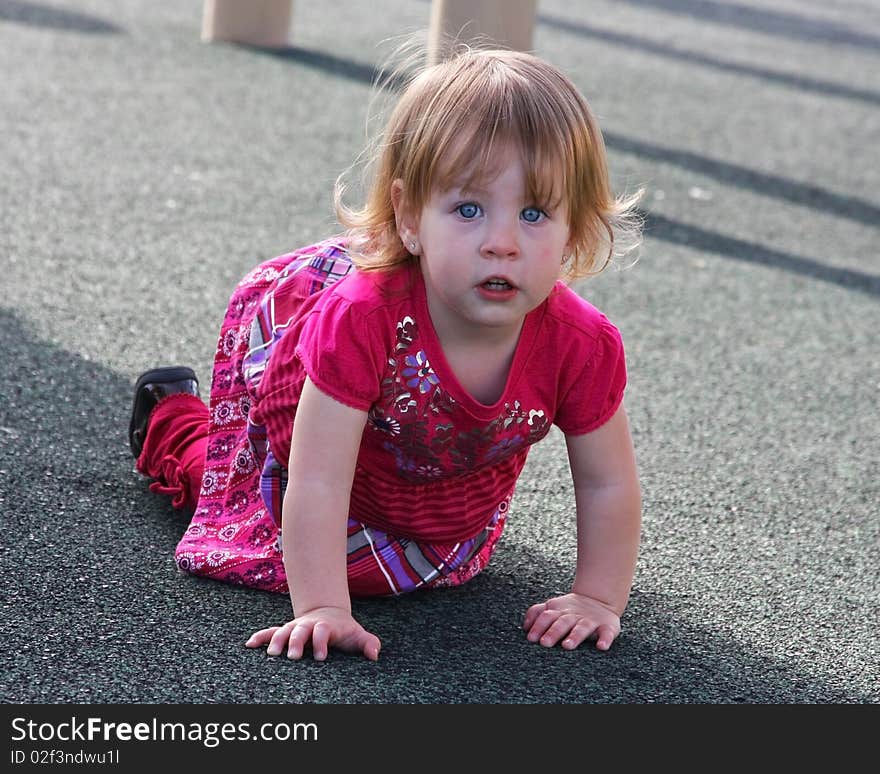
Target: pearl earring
412 247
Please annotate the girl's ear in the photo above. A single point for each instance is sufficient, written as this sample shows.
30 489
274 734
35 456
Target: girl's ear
407 224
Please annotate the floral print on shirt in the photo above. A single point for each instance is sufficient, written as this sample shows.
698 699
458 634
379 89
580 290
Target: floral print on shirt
416 418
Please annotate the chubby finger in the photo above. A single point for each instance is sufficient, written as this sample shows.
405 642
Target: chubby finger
260 638
541 624
279 640
321 640
371 646
606 634
560 628
578 634
532 614
297 640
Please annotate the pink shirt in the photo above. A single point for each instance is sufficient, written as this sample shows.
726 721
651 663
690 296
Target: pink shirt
435 463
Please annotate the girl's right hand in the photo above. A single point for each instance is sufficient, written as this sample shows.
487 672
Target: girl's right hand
323 627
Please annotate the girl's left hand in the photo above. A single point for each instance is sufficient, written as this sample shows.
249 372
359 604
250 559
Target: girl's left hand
571 618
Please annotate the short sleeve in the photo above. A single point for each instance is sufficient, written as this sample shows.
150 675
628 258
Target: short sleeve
342 352
596 391
339 343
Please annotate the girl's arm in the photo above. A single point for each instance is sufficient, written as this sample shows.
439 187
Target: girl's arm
323 455
608 500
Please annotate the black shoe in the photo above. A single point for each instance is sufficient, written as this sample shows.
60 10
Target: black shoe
150 388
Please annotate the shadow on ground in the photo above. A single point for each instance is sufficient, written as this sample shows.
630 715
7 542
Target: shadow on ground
43 15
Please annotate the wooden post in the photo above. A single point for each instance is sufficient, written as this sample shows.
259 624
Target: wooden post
508 23
264 23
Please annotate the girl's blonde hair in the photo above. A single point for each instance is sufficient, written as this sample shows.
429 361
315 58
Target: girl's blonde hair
447 122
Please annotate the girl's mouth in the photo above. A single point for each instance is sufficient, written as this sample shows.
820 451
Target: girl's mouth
497 289
497 284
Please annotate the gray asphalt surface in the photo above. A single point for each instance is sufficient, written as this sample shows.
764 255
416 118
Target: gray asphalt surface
143 172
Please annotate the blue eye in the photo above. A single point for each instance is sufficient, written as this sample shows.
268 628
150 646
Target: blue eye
468 210
531 214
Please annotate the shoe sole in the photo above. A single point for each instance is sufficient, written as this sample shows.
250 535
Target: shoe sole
168 374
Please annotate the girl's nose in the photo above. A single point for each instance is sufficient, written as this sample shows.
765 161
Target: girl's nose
501 241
